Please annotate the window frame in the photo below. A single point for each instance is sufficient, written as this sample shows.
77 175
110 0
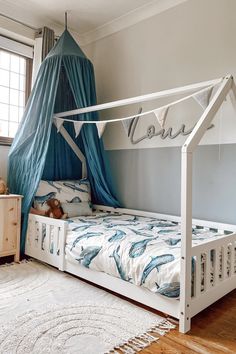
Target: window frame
4 140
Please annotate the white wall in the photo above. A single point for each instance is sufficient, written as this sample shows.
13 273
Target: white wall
189 43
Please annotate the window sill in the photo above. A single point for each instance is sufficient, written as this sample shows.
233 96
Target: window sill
4 141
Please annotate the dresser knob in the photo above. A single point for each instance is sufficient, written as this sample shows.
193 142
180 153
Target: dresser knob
14 223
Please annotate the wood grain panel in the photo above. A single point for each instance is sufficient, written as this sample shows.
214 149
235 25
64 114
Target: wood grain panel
10 216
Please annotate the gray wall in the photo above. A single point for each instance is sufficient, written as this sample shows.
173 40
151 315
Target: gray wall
149 179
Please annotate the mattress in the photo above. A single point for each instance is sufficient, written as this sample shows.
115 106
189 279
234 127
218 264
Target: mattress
141 250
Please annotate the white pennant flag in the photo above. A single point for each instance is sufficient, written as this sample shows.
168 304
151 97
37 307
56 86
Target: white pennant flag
127 124
58 123
101 127
203 98
77 125
161 115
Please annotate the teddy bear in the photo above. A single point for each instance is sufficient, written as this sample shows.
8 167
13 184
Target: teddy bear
3 187
55 210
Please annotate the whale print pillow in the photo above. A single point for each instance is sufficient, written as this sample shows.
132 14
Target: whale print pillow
67 191
77 209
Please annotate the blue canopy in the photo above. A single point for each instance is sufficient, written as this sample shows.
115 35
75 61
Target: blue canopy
65 81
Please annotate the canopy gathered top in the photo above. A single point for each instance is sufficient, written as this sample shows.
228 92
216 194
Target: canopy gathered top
65 81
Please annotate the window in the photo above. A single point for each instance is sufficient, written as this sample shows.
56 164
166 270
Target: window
15 76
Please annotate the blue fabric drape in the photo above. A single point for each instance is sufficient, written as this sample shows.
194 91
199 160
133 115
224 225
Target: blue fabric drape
61 161
93 147
65 81
28 151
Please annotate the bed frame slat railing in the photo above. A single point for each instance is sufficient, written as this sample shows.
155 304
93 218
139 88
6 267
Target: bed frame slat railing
232 269
224 262
39 227
197 278
62 244
55 240
207 270
216 261
216 278
46 239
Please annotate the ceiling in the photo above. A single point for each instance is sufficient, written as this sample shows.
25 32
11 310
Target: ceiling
88 20
83 15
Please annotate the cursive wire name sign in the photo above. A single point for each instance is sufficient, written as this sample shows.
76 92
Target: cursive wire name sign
162 133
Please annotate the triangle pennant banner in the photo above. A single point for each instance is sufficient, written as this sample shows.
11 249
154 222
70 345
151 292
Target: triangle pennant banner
127 124
101 128
58 123
77 125
161 115
203 98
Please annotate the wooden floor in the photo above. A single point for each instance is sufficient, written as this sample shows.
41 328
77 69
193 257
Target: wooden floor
213 331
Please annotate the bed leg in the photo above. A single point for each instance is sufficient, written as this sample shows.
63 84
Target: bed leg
61 265
186 241
184 323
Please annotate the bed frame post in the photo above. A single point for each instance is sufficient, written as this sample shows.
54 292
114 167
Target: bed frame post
233 95
75 148
186 232
139 99
186 200
62 245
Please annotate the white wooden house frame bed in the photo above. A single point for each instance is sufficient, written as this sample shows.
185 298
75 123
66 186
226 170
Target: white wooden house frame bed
193 299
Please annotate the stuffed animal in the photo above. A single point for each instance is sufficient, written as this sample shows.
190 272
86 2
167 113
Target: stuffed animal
55 210
3 187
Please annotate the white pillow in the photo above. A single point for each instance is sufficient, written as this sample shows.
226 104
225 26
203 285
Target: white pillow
67 191
77 209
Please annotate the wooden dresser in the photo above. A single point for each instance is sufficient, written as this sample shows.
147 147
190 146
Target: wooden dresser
10 225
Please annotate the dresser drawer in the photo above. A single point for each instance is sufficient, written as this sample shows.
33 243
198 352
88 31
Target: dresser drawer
10 217
8 224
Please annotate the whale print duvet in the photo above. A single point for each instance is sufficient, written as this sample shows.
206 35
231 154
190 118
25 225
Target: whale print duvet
141 250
